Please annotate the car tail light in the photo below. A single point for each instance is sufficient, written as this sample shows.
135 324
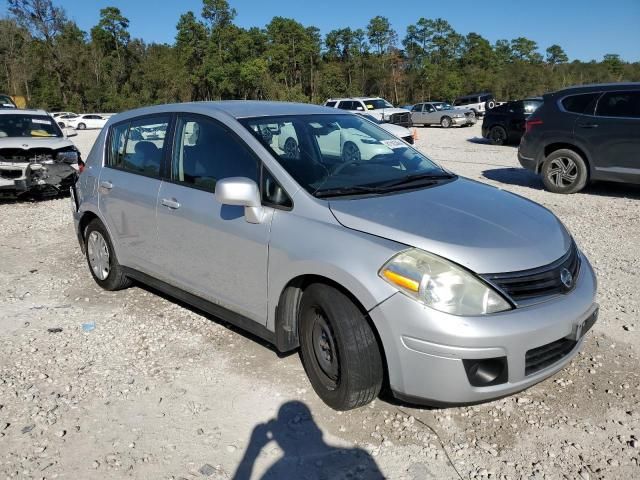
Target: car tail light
529 124
80 166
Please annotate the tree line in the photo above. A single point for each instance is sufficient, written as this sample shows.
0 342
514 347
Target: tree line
53 63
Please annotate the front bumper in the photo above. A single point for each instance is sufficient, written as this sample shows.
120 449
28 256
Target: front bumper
425 349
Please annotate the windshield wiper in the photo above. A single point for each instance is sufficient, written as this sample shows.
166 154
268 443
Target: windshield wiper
343 191
416 177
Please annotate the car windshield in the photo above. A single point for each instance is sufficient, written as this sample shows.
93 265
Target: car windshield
377 104
343 154
21 125
442 106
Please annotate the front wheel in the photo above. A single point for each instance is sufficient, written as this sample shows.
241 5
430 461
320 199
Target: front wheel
445 122
104 266
350 153
339 350
564 171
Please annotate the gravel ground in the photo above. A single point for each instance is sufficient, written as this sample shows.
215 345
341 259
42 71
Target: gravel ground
131 384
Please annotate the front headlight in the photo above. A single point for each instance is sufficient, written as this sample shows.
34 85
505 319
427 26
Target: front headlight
458 115
441 285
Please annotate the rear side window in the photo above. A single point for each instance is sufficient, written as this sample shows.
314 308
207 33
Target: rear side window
417 108
138 146
583 103
330 104
346 105
619 104
206 152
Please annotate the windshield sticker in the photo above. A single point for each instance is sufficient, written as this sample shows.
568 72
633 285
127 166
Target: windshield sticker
41 122
393 143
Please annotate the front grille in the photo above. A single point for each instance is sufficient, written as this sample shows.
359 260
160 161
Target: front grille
403 119
528 286
542 357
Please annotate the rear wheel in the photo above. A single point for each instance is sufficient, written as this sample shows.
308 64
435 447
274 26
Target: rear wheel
81 126
497 135
445 122
339 350
104 266
564 171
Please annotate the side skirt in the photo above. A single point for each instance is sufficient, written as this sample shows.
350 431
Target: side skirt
233 318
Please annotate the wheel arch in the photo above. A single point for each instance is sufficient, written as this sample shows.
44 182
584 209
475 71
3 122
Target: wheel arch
85 219
286 314
552 147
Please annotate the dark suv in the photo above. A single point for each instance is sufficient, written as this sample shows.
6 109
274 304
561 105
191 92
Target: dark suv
505 123
584 133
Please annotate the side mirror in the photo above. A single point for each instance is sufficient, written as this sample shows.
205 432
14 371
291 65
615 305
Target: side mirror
70 132
243 192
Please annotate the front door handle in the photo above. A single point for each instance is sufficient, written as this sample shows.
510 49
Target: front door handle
107 185
588 125
170 203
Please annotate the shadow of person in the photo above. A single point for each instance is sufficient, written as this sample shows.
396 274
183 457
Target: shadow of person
305 455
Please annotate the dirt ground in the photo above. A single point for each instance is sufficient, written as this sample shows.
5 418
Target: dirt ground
131 384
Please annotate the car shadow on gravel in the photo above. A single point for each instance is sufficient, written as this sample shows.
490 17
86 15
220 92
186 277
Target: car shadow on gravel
305 454
485 141
526 178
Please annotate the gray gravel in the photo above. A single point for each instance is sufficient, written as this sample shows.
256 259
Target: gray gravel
160 391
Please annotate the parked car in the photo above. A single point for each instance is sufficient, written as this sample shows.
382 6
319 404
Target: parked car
582 134
374 106
365 265
7 102
35 155
63 118
478 102
505 123
86 121
397 130
441 113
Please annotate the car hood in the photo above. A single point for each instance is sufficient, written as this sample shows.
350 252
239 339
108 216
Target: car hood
27 143
397 130
482 228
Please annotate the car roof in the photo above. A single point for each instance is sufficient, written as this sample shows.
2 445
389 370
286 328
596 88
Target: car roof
13 111
353 98
596 87
235 108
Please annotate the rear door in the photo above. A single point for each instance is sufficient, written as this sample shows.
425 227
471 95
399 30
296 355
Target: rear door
614 135
431 115
207 248
128 190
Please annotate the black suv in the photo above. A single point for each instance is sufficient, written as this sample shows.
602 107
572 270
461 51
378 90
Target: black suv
584 133
505 123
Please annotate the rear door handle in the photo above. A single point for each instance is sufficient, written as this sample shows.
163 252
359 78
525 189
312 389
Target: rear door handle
170 203
588 125
107 185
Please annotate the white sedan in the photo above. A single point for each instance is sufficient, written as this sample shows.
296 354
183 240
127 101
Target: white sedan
90 120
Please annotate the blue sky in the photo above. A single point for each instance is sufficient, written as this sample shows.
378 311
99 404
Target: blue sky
586 29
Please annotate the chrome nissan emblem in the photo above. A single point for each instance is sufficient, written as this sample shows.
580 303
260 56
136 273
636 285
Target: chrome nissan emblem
566 278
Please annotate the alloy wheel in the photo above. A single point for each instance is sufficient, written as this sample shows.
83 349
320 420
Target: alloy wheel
563 172
98 254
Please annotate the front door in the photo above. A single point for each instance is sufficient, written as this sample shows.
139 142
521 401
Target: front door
128 190
207 248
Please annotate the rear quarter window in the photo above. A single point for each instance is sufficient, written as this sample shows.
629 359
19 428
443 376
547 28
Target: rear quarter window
583 103
330 104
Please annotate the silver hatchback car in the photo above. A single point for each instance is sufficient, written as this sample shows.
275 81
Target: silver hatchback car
379 266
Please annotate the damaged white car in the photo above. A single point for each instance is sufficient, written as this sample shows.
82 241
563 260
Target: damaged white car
36 156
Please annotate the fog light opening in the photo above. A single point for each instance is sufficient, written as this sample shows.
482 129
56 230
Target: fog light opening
487 371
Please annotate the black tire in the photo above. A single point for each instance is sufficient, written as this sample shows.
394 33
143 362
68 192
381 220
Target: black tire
339 349
497 135
115 279
61 124
445 122
564 171
350 153
81 126
291 150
